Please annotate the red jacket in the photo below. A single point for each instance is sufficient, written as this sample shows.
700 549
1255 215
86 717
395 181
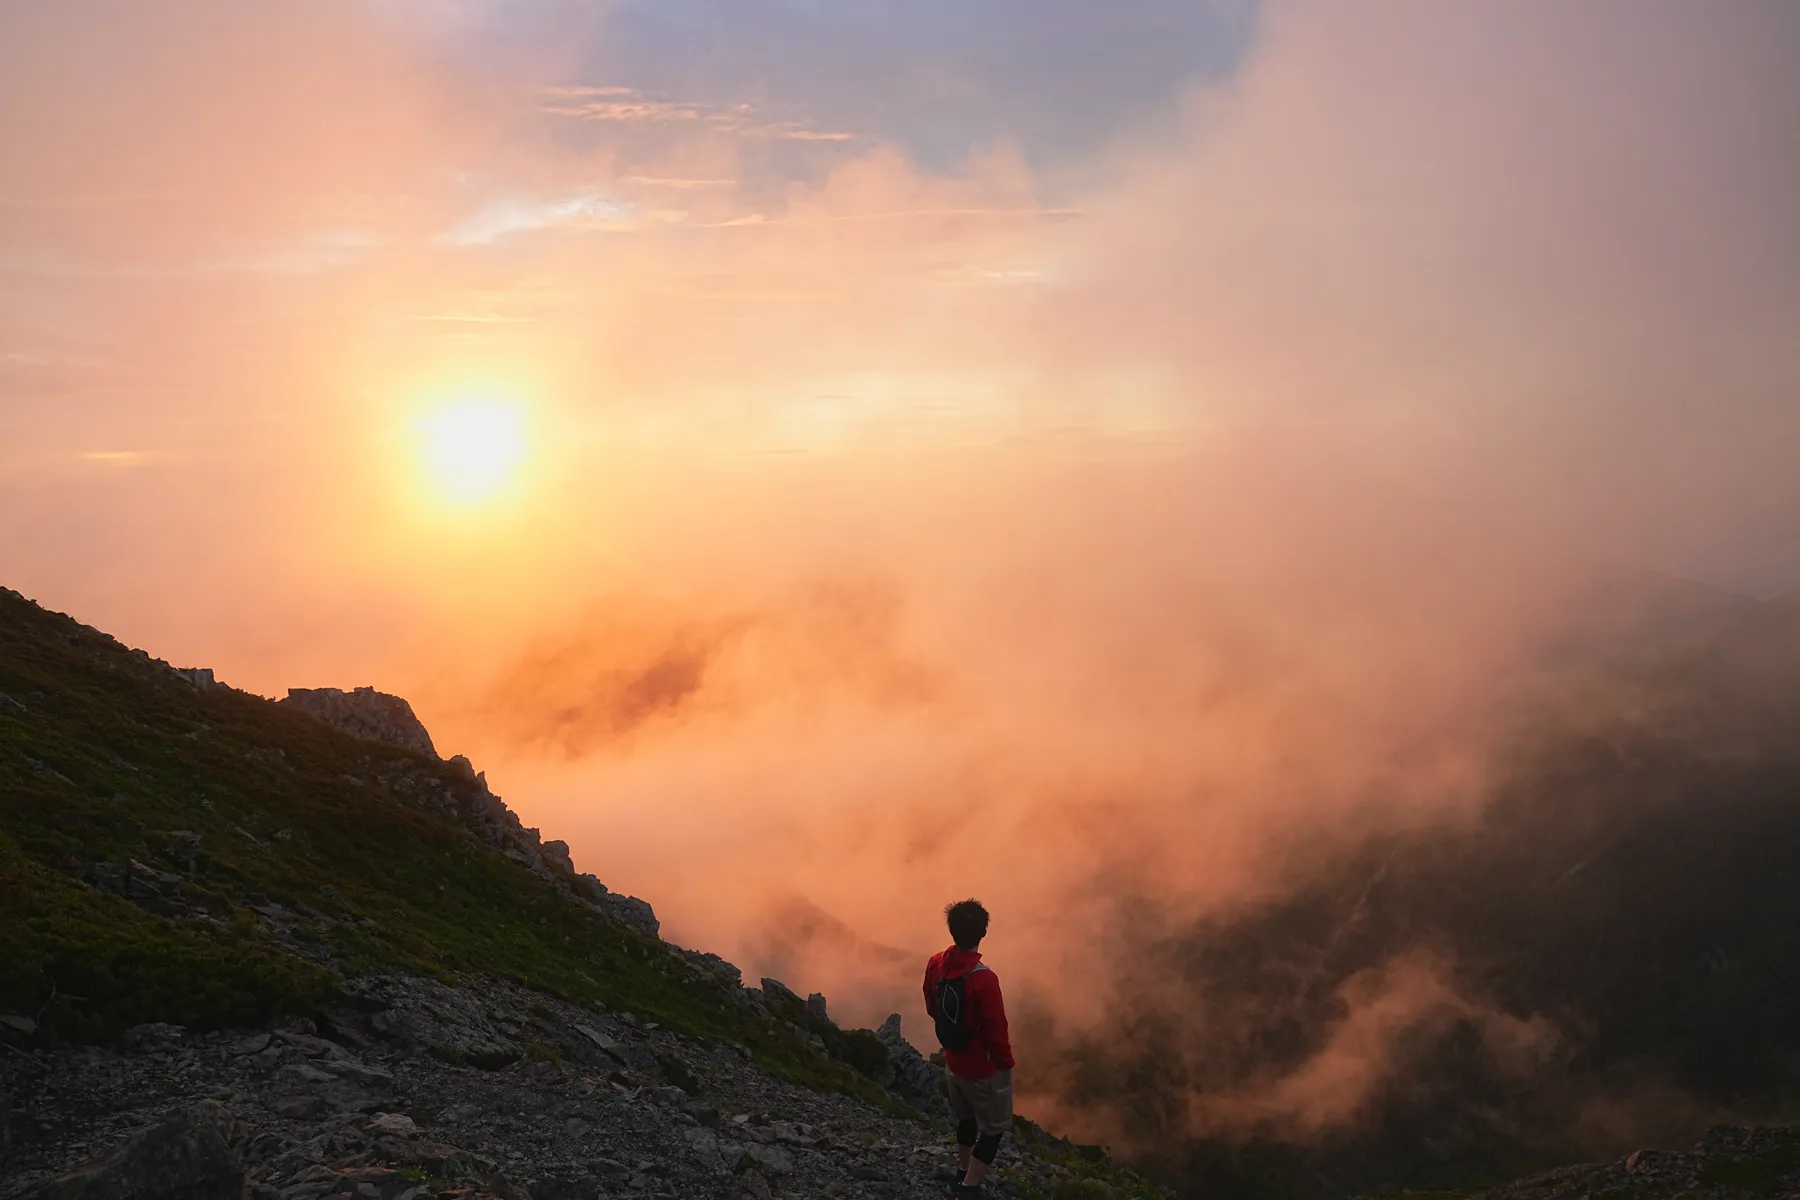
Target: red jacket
989 1050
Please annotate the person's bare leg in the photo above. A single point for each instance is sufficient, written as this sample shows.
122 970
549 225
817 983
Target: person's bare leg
974 1171
964 1157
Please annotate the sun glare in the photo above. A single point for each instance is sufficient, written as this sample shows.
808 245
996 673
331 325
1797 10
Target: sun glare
472 448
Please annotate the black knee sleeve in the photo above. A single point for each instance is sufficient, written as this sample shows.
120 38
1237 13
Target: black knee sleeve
965 1132
987 1147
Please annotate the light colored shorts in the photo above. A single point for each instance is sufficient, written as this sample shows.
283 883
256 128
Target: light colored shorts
988 1100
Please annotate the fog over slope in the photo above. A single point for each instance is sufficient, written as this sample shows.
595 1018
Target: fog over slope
1602 956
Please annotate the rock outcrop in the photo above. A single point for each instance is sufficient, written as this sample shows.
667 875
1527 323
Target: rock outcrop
365 713
200 677
909 1074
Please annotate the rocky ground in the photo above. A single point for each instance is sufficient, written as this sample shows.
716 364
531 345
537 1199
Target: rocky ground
420 1092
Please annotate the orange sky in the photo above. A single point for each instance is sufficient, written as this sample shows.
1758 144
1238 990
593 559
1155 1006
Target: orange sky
881 530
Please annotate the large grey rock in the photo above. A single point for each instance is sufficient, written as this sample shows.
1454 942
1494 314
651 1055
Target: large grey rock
705 1145
774 1160
726 973
909 1074
601 1041
134 881
556 853
630 912
365 713
780 994
154 1037
187 1155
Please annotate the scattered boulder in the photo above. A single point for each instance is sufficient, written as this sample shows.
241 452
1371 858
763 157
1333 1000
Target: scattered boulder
705 1145
155 1037
772 1159
255 1043
394 1124
601 1041
187 1155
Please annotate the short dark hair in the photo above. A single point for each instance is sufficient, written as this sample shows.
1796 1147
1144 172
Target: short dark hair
968 923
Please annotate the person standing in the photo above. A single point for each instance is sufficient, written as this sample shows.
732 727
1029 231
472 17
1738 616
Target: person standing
962 997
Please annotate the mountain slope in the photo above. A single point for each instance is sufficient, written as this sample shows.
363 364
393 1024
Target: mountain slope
292 845
183 865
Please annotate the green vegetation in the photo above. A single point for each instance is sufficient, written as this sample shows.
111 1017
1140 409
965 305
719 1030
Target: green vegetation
106 756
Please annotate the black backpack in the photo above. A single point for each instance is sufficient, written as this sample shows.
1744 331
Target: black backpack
952 1034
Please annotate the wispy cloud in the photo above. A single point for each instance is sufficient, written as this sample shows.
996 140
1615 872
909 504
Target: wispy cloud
684 185
625 110
896 214
516 214
789 132
611 103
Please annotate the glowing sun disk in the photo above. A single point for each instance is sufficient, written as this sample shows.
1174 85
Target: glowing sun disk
470 449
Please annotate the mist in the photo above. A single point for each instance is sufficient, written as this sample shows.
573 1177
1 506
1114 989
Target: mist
1133 550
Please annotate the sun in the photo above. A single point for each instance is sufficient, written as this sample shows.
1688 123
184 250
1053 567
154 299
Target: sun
472 448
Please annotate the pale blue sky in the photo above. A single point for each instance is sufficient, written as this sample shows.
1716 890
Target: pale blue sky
944 78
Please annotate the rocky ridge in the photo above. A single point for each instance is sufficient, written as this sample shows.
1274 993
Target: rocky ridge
446 1077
